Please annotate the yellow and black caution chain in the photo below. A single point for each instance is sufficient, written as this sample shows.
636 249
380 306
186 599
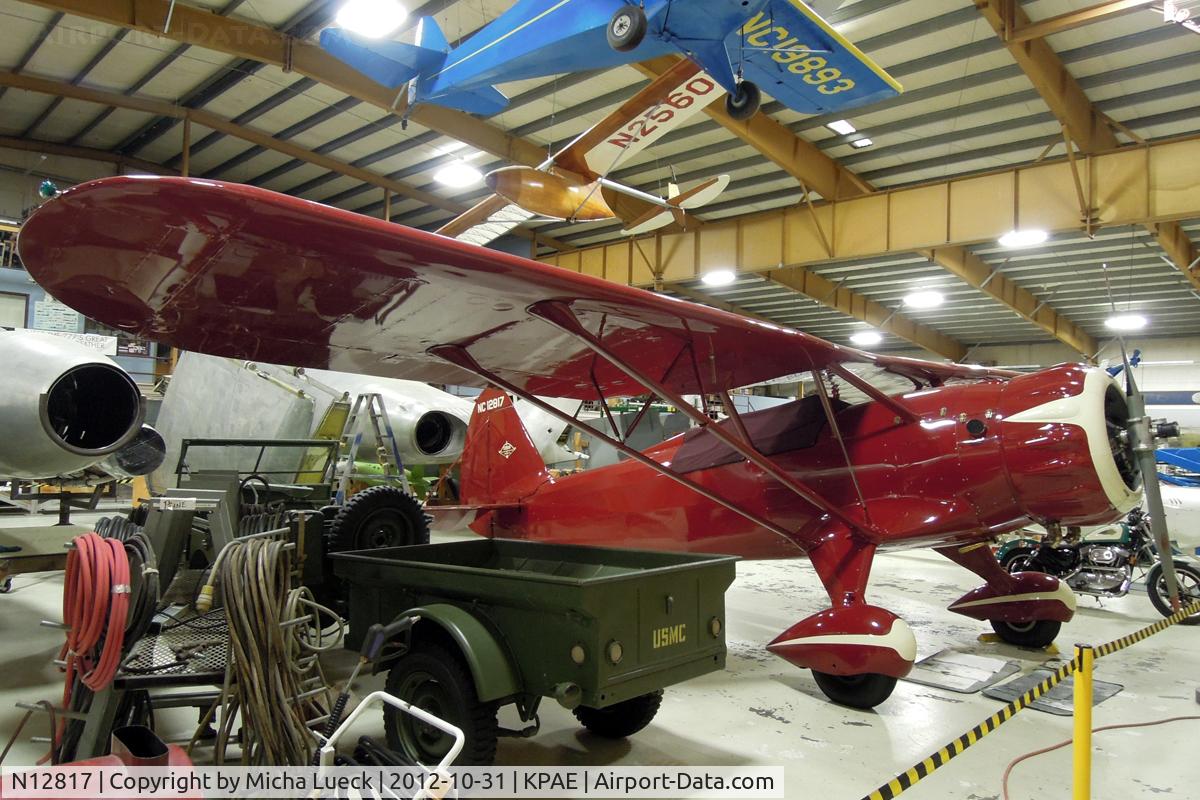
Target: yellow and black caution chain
910 776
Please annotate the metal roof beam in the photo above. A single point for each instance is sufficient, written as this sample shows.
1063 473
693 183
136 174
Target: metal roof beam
243 39
1086 125
974 270
832 295
1073 19
84 153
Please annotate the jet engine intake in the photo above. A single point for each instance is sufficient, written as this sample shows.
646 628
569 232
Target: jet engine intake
62 407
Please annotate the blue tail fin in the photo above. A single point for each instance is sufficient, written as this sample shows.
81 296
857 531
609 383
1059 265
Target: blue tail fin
430 36
390 63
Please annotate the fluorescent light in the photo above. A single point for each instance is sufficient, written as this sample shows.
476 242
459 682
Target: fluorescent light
458 175
373 19
8 221
1023 238
866 338
861 143
1126 322
719 277
841 126
924 299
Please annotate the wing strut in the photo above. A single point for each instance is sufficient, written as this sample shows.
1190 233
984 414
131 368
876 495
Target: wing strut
458 355
561 316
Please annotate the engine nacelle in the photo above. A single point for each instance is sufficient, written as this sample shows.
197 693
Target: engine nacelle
424 435
62 407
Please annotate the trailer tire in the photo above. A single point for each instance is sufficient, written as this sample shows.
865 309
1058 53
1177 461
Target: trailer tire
620 719
436 680
381 516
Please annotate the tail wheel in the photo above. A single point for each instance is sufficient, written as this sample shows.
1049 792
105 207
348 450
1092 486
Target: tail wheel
435 680
1035 633
627 28
381 516
743 103
620 719
865 690
1189 589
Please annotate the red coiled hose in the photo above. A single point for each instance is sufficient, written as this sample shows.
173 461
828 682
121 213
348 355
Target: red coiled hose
95 607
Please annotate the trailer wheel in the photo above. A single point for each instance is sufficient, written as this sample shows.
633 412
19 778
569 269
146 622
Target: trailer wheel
434 679
620 719
381 516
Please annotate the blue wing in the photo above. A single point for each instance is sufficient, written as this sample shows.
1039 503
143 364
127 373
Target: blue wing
771 48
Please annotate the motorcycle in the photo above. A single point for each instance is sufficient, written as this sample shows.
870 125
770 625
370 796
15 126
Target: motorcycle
1105 567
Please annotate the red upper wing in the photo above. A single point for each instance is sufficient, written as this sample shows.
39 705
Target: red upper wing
237 271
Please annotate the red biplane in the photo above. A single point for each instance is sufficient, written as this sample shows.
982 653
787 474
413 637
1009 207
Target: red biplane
965 454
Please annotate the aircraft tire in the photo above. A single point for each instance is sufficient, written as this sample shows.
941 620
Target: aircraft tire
381 516
1189 589
627 28
743 104
1035 634
620 719
866 690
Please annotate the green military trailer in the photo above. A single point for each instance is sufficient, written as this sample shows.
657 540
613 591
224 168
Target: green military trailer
601 630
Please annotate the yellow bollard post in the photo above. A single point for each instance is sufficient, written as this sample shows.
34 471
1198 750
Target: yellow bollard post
1082 749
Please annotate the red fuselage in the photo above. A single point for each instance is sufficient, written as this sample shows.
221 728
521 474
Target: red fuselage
967 469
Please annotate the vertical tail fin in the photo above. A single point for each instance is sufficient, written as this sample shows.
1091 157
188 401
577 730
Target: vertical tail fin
499 463
430 36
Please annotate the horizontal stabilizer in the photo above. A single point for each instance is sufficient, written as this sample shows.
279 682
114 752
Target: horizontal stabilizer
389 63
701 194
673 210
772 50
484 101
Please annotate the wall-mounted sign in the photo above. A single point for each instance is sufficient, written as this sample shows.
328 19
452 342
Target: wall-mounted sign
51 315
133 347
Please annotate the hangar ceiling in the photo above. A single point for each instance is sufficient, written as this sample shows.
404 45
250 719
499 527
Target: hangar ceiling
269 109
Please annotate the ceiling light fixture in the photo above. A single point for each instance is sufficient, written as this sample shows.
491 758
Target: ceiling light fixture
923 299
866 338
1126 322
841 126
859 144
1023 238
458 175
719 277
373 19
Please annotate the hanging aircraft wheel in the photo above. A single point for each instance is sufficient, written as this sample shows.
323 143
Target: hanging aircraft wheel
620 719
626 29
1189 589
1035 633
744 103
381 516
866 690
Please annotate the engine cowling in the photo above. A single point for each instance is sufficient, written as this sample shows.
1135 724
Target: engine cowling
424 435
62 407
1066 449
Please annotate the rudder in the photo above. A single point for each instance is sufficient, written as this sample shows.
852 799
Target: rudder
500 464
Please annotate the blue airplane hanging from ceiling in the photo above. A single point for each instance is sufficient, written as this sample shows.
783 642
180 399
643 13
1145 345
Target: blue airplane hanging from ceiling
780 47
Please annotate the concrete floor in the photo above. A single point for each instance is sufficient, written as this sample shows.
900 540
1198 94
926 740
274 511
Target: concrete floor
763 711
